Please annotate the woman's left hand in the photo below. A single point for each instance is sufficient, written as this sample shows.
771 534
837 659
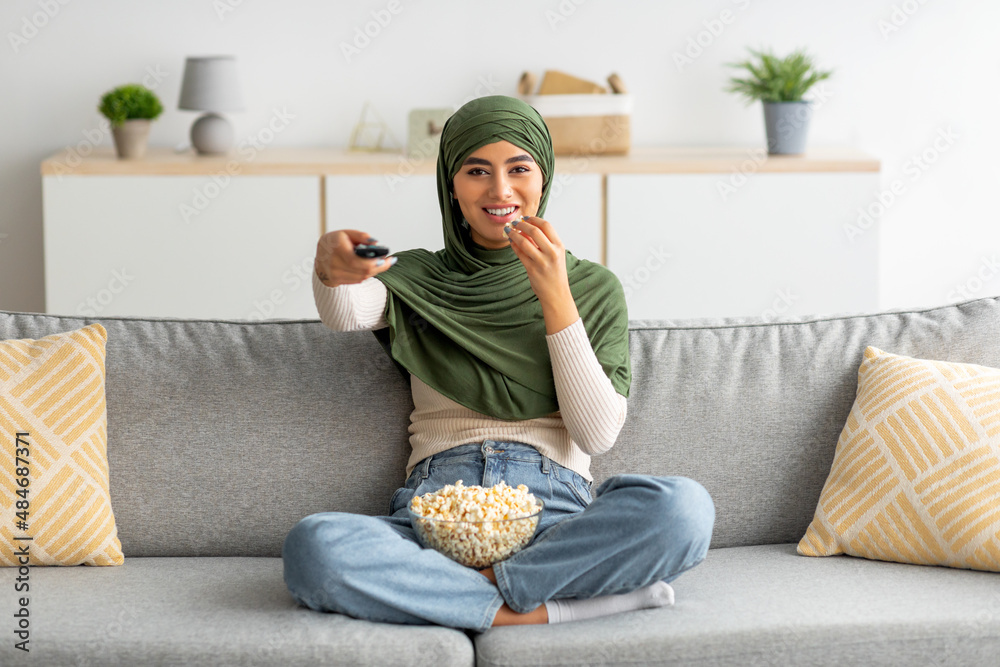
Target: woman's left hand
535 242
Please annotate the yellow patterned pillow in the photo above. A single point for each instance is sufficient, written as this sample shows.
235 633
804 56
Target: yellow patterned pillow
55 508
916 473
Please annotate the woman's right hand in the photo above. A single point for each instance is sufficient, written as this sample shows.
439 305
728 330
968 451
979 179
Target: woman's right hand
336 263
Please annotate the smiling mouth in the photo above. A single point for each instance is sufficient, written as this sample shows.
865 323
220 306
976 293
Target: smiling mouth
503 214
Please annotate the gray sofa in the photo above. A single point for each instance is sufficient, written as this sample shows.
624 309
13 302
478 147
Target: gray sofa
223 434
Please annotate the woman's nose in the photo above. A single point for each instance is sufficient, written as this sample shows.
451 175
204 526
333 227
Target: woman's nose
500 187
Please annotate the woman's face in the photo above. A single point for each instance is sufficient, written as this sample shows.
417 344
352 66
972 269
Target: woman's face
497 183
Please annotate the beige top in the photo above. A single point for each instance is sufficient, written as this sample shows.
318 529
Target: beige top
591 411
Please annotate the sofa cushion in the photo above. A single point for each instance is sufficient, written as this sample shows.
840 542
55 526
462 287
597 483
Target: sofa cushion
766 605
916 474
55 506
222 434
206 612
753 410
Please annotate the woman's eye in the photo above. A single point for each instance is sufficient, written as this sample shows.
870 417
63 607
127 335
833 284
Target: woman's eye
475 171
523 170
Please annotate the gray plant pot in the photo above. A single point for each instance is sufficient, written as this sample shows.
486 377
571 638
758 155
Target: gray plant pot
787 124
131 138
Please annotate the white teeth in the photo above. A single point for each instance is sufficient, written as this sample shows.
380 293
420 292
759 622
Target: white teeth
501 211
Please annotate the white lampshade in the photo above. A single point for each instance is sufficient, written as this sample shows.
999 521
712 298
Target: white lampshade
210 84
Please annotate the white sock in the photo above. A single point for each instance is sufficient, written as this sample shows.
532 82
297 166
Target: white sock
659 594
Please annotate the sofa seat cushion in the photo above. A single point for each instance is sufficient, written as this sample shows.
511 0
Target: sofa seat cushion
206 611
766 605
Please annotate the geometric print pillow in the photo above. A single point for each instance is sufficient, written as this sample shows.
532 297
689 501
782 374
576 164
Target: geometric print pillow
55 507
916 473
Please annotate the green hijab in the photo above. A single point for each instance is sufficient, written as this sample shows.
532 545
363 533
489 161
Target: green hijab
465 319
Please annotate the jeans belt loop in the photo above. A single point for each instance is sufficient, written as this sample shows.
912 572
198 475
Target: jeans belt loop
425 467
545 465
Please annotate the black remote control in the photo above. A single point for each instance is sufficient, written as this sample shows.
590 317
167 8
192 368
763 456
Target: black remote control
370 251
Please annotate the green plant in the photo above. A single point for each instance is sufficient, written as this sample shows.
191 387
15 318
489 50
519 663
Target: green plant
774 79
128 102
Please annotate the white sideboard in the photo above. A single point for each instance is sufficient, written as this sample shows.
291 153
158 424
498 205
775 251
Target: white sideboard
122 245
774 248
692 232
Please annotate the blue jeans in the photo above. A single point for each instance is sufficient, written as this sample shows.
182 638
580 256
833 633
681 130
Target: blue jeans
637 529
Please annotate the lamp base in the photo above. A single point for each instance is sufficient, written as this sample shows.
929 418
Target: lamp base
212 134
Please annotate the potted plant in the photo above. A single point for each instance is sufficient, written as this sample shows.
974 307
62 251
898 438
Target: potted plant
130 108
780 83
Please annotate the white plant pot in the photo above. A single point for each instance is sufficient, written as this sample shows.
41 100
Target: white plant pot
131 138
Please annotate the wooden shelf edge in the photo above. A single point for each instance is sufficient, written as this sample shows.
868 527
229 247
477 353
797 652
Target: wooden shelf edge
164 161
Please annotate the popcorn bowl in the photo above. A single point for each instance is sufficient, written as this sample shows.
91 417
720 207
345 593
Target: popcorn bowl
476 544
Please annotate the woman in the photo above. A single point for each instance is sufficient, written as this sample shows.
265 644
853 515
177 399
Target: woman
518 360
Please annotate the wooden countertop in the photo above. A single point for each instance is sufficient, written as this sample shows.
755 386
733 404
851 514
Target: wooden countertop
278 161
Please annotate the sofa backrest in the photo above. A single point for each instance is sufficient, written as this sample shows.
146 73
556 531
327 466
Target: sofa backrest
223 434
753 410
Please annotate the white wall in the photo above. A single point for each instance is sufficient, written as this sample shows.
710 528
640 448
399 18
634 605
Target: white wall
907 73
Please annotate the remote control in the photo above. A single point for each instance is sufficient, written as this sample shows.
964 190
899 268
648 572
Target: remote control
370 251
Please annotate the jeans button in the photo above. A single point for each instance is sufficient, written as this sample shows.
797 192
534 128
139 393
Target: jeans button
488 449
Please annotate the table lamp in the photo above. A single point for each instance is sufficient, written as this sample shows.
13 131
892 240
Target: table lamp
210 84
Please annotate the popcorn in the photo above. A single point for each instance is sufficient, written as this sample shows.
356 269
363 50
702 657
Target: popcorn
507 228
476 526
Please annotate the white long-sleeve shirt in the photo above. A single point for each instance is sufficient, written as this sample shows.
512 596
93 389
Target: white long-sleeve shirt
591 413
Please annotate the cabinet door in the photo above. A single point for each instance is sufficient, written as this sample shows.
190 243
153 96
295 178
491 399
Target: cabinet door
779 245
574 209
181 246
404 213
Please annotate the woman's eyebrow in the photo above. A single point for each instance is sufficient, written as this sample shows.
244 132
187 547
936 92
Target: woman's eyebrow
517 158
